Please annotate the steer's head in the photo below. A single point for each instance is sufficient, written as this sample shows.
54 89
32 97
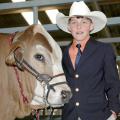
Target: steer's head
36 51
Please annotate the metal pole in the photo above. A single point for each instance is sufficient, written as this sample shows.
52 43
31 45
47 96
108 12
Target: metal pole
35 15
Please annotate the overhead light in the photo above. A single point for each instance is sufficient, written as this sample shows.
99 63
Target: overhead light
52 15
18 0
28 16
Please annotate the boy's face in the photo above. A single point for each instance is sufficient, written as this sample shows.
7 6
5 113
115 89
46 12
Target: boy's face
80 27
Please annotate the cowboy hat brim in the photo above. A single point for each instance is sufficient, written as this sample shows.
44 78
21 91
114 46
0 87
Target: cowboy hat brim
98 18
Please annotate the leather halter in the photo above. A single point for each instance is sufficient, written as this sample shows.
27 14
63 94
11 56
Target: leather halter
23 64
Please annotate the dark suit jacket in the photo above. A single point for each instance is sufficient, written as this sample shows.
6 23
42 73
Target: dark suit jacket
97 82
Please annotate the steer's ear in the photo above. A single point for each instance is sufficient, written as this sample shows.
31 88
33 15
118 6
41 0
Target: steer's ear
10 59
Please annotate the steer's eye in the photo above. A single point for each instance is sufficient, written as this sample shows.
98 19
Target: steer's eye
39 57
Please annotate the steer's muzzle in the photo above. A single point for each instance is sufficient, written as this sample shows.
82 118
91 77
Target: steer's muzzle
66 95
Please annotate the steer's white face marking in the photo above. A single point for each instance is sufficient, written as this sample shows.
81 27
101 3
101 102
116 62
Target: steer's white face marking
46 59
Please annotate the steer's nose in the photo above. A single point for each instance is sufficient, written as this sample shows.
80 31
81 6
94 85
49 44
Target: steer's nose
66 95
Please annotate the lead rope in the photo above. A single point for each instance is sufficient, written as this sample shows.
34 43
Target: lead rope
51 114
38 115
25 100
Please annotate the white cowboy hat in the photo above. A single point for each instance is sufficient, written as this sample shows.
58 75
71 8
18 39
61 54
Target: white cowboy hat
81 9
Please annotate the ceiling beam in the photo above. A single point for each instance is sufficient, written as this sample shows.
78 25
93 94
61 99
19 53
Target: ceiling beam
109 2
53 27
14 11
113 21
37 3
44 3
48 7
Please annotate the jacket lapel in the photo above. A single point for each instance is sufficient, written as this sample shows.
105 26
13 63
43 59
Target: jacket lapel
67 60
89 49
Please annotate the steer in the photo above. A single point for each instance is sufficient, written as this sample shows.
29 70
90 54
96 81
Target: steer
31 74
